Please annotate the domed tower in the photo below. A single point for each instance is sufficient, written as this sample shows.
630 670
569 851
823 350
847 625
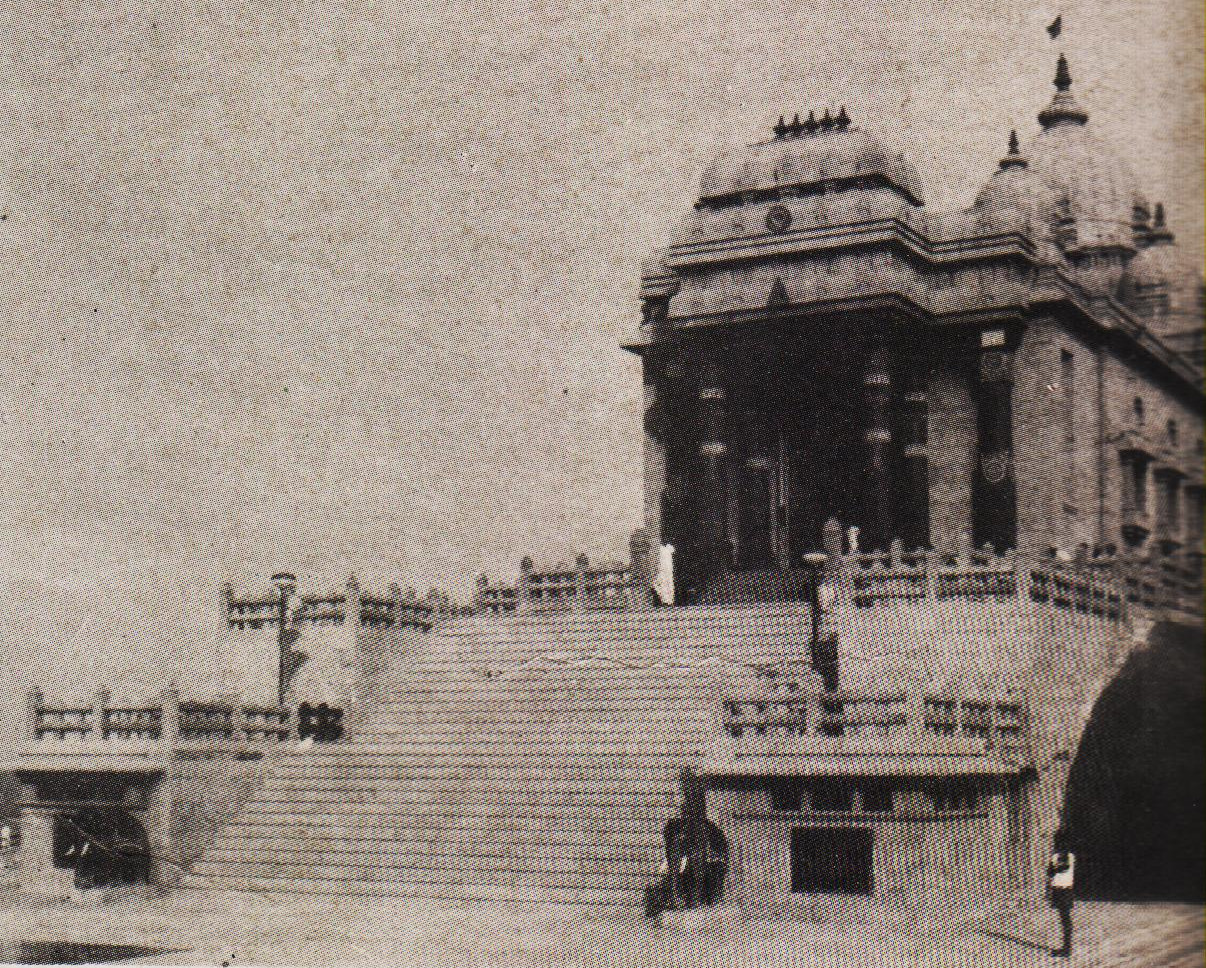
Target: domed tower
814 172
1086 193
1161 287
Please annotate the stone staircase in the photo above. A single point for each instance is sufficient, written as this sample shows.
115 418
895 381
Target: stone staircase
530 758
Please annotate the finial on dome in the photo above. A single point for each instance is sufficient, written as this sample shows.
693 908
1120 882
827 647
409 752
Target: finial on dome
1063 107
826 121
1014 157
811 125
780 129
1063 76
795 128
1159 231
842 121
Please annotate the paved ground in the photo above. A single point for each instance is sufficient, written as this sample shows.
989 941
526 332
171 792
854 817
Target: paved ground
219 930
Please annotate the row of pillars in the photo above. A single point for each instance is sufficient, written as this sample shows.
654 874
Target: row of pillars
884 412
896 455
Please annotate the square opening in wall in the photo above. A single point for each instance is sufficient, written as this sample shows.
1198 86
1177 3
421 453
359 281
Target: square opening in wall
877 798
831 860
832 797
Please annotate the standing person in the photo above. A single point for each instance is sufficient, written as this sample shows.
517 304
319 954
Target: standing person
1061 875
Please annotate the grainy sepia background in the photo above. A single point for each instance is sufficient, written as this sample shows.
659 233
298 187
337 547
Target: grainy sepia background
339 286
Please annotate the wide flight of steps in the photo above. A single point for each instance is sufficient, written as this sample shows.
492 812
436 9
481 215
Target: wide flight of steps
531 758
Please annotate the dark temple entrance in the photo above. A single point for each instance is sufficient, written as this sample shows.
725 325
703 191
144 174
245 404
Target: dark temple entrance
796 459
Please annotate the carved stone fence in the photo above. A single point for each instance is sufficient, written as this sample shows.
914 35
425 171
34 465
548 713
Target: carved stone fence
582 587
901 722
1103 585
395 608
169 725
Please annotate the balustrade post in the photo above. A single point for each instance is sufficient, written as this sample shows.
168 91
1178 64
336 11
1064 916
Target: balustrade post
581 567
812 713
915 712
695 817
523 590
930 561
169 719
33 711
240 721
100 707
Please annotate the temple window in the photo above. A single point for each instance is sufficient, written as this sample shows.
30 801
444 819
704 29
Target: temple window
955 797
876 797
1139 476
832 798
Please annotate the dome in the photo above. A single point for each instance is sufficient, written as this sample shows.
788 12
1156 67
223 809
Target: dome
1160 283
809 157
1093 193
1013 186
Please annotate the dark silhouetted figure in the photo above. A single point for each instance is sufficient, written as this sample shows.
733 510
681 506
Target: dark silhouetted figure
1061 874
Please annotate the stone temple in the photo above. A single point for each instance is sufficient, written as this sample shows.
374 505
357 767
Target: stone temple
819 346
923 490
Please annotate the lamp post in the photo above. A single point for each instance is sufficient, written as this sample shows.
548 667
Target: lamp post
820 596
286 585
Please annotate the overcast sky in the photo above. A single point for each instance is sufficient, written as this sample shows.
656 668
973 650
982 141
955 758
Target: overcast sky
338 286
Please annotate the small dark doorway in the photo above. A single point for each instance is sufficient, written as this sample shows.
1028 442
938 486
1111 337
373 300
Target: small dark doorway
831 860
104 846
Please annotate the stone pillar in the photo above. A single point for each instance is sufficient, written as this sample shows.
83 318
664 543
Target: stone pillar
656 421
877 390
33 707
995 497
915 523
39 876
713 542
642 569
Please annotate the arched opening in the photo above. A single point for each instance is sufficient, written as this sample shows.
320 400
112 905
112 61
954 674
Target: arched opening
105 846
1134 804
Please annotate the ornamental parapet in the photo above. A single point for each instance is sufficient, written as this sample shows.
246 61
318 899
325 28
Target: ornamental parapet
393 607
144 738
562 588
787 729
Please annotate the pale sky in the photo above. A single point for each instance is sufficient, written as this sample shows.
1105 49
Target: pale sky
340 286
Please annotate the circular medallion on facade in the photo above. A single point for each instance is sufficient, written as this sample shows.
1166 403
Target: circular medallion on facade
778 219
995 466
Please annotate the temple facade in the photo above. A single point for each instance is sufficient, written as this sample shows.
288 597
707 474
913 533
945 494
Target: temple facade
822 354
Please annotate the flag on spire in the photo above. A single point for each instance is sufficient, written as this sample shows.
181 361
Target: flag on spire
1056 25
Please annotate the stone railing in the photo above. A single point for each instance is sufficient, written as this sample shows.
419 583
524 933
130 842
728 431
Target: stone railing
564 588
902 722
395 608
1102 586
168 725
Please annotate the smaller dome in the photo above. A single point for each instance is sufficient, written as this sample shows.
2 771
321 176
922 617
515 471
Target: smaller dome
816 155
1013 187
1159 282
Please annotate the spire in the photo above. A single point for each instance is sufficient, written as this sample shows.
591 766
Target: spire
1063 108
780 129
842 121
826 121
811 125
1014 158
1159 234
1063 76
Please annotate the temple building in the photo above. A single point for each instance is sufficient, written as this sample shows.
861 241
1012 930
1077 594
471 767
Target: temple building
819 347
